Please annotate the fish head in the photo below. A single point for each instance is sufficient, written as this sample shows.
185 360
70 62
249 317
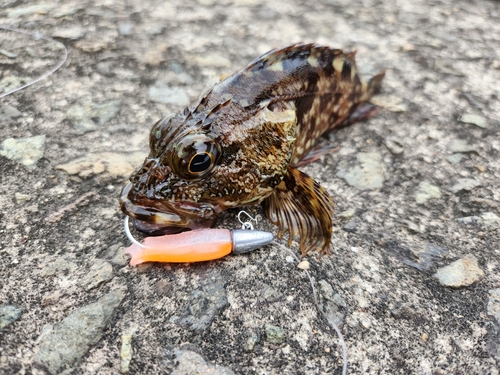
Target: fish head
198 168
163 194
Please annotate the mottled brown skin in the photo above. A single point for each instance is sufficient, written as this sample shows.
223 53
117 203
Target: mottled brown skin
239 143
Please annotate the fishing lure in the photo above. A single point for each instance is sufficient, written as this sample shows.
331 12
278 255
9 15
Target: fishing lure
241 142
195 246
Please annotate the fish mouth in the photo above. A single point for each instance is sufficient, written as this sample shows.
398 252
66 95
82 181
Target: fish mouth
158 217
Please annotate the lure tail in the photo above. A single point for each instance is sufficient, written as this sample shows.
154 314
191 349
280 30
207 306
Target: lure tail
135 253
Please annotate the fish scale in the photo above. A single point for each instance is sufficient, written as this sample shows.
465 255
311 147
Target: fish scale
239 143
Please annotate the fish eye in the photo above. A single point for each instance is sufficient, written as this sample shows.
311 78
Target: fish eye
194 156
200 162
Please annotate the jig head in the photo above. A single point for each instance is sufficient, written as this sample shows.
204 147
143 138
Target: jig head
195 246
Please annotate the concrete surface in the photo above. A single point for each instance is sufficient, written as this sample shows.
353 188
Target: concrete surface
80 131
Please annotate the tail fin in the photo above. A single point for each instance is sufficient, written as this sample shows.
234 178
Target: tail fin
374 85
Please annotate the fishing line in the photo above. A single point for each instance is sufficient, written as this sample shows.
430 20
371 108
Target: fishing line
46 74
328 319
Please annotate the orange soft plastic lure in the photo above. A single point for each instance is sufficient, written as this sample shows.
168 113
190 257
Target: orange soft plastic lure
196 245
193 246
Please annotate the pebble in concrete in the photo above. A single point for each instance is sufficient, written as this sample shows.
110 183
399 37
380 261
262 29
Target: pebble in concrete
455 158
70 33
125 28
487 220
12 82
427 191
8 315
21 198
50 298
474 119
58 265
253 340
274 334
350 226
394 145
493 308
368 175
8 112
485 202
26 151
464 184
10 55
163 287
205 302
462 272
68 10
126 353
112 164
403 311
62 346
304 265
89 116
28 10
392 103
100 272
115 254
412 227
461 145
332 303
270 294
347 214
424 258
191 363
11 111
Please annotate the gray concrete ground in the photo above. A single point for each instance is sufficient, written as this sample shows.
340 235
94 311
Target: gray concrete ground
414 276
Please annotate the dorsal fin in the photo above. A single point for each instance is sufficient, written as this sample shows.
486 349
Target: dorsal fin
217 107
300 53
286 74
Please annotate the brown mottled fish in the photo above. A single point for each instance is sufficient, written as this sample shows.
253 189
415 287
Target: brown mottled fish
239 144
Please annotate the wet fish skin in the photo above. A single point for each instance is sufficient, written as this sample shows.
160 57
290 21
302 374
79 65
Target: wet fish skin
237 145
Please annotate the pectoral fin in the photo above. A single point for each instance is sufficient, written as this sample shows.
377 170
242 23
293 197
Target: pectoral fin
302 207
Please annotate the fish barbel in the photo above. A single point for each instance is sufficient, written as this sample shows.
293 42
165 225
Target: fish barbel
240 144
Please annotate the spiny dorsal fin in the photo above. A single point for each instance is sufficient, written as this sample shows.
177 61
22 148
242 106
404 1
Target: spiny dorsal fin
290 73
302 207
299 51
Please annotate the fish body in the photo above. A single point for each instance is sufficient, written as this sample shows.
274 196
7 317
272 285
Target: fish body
240 142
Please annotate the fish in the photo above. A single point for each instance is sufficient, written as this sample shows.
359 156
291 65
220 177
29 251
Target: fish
242 141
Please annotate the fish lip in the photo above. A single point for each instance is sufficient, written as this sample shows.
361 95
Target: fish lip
156 229
160 230
157 217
